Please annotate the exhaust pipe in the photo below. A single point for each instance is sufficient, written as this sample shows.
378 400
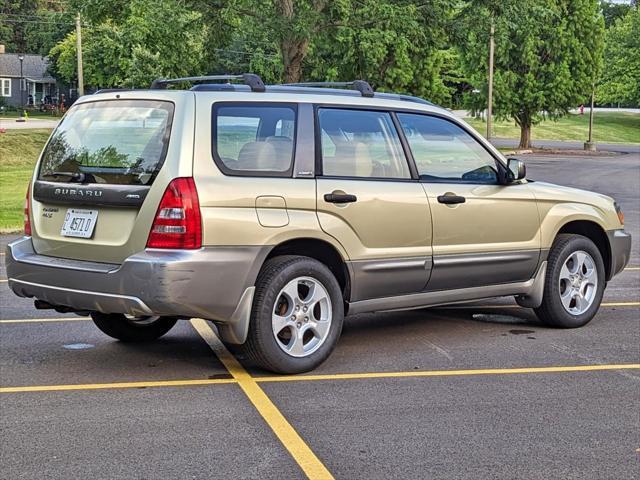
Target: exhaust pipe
42 305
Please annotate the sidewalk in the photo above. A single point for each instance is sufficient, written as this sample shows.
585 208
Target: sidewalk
11 124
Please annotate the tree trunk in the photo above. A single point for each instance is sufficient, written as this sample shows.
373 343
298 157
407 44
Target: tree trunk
294 44
523 120
525 136
293 53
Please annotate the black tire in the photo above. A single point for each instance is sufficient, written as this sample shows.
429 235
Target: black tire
261 348
552 312
121 328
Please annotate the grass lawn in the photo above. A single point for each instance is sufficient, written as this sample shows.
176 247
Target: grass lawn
608 127
31 114
19 150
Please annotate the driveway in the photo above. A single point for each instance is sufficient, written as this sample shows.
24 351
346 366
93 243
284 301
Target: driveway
470 391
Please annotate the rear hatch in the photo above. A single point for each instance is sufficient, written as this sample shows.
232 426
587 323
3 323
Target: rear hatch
101 175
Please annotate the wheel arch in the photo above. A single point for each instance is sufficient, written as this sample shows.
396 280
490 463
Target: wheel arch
594 232
320 250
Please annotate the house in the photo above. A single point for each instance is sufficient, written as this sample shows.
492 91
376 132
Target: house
39 87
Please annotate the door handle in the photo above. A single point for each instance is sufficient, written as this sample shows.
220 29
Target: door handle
451 199
339 198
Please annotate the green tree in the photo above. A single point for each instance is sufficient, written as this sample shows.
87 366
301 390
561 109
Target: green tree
620 83
16 18
547 57
32 26
394 44
286 26
613 11
129 43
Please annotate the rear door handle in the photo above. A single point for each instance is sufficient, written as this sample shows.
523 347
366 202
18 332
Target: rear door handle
340 198
451 199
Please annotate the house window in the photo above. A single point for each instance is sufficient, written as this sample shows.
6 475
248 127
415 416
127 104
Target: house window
5 87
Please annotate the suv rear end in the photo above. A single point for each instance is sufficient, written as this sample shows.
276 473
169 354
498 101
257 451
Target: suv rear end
112 218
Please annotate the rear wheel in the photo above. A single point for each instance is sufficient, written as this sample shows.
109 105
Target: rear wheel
133 329
297 315
574 283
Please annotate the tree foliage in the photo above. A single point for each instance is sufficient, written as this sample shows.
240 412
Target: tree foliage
613 11
394 44
547 56
620 83
129 43
32 26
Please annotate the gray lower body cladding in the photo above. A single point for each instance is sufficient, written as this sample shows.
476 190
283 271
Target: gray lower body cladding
207 283
620 244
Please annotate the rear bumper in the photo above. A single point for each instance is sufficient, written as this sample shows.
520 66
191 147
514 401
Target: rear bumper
620 243
211 283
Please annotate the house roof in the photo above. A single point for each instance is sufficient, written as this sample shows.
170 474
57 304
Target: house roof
34 67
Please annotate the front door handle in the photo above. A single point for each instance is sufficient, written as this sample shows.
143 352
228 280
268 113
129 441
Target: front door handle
339 198
451 199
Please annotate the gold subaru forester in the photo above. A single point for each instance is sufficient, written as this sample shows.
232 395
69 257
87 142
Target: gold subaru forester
274 211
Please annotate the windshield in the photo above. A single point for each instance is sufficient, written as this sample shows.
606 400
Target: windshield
115 142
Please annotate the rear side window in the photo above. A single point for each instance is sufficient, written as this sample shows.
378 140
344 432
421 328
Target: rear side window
254 139
114 142
360 143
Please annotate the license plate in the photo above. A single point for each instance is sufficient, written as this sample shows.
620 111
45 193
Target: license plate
79 223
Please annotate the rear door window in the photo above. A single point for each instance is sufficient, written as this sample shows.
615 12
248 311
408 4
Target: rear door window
254 139
112 142
360 143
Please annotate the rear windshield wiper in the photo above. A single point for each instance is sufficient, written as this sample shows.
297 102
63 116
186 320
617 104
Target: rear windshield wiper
77 177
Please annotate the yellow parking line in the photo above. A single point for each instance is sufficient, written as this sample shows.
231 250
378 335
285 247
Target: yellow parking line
311 378
446 373
299 450
103 386
46 320
620 304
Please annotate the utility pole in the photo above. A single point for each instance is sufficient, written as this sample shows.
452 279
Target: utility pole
590 145
79 51
490 92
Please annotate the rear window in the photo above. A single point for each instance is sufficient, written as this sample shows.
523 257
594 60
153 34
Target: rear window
116 142
254 139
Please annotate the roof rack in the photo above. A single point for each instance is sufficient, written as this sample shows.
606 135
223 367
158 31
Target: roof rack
251 79
360 85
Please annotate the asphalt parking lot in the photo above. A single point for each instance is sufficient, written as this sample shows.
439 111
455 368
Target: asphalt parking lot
473 391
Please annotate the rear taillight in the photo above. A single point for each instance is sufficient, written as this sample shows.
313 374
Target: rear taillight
177 223
27 211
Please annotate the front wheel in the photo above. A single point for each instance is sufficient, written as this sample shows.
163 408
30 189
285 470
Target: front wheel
297 315
133 329
574 282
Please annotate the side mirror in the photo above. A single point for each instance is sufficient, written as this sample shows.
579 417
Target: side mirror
517 170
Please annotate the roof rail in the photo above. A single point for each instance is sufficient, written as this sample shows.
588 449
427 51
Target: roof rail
360 85
251 79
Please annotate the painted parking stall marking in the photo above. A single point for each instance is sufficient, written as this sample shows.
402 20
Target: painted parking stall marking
299 450
325 377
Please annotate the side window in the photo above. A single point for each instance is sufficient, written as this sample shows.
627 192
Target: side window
5 87
360 143
254 138
445 152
